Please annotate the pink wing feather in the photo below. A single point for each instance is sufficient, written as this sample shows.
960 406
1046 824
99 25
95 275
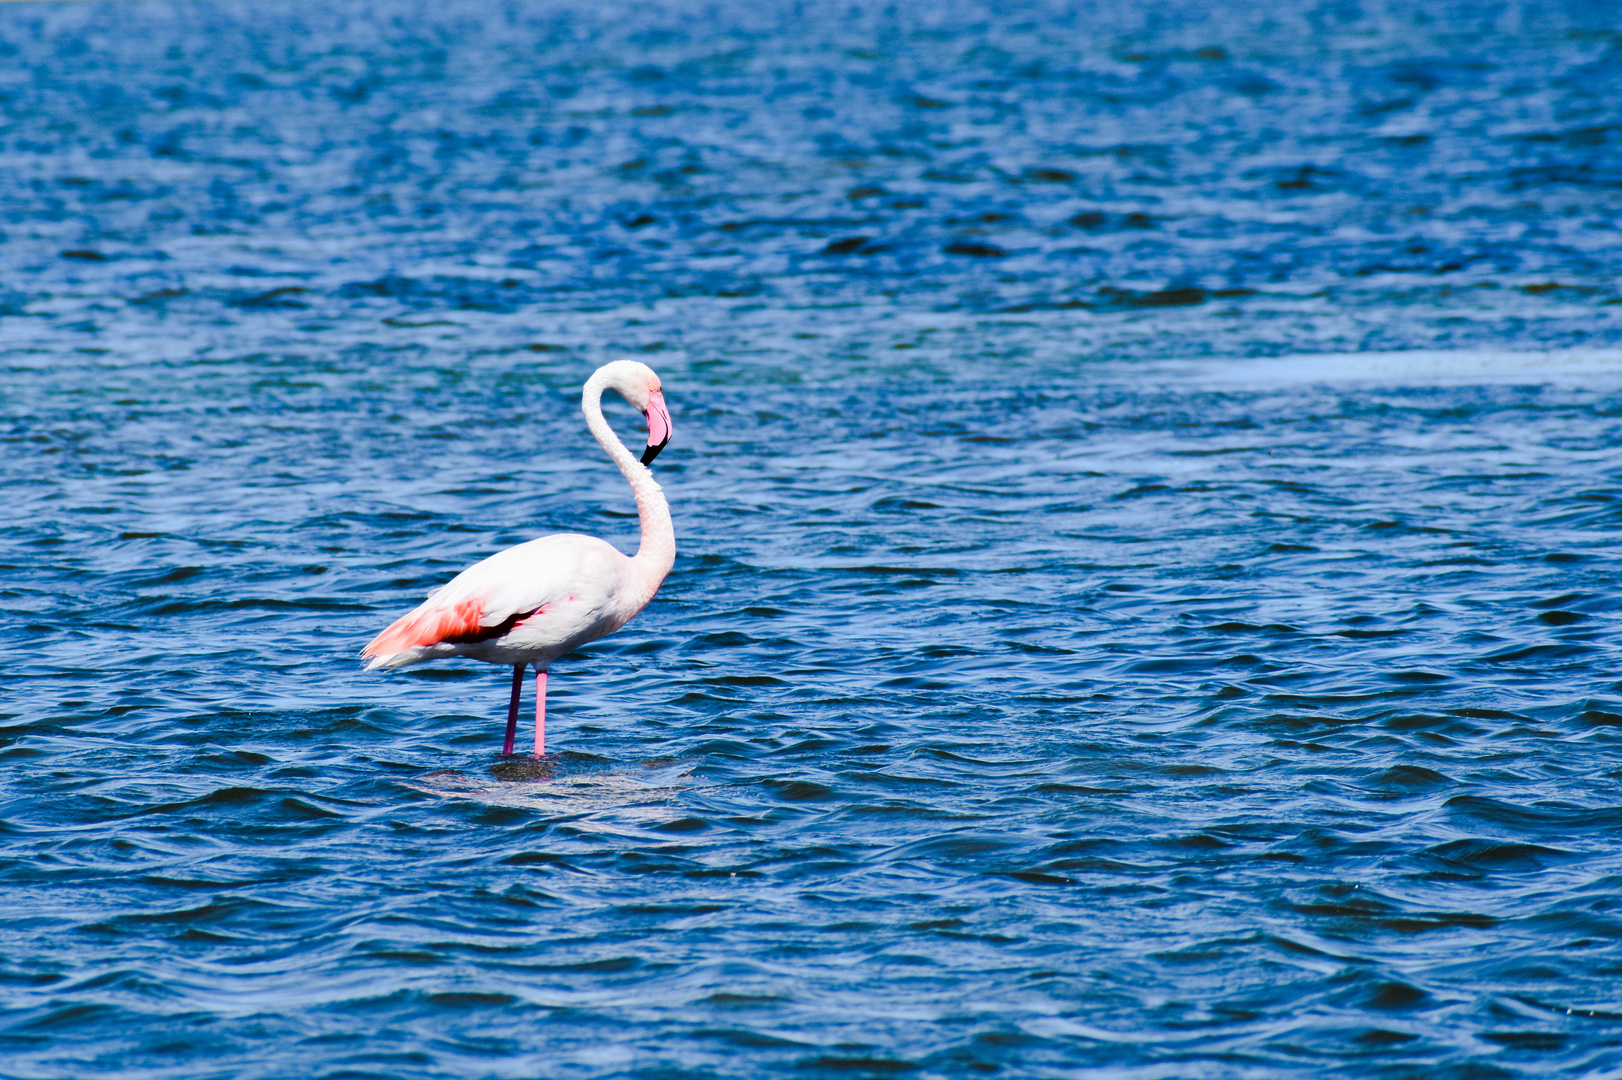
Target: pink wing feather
428 626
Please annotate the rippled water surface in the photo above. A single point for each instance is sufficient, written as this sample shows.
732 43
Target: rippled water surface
1147 487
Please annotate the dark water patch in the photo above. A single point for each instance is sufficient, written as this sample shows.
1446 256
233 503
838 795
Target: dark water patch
1405 779
1554 818
1489 857
1395 997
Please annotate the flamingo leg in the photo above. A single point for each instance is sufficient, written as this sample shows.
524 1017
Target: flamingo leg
512 709
540 713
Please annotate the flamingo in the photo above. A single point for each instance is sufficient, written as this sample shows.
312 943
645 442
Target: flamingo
530 604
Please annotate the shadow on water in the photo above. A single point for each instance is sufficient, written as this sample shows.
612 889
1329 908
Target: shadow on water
560 783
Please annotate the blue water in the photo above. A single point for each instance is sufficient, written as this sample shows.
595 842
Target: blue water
1069 668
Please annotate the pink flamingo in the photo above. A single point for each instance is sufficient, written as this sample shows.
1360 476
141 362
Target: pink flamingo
535 602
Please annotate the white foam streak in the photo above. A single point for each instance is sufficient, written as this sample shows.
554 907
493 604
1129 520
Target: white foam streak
1418 367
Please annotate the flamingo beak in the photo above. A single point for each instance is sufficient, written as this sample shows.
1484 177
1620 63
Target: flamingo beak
658 426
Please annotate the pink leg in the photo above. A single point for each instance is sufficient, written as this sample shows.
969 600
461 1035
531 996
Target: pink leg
512 709
540 713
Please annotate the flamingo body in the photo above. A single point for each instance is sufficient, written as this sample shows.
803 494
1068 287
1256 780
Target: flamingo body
530 604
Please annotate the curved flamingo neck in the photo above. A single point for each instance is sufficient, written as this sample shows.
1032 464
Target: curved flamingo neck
657 553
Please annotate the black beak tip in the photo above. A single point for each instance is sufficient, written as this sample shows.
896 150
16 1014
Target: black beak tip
652 452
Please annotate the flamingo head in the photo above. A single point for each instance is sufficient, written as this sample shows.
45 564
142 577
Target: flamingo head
638 384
